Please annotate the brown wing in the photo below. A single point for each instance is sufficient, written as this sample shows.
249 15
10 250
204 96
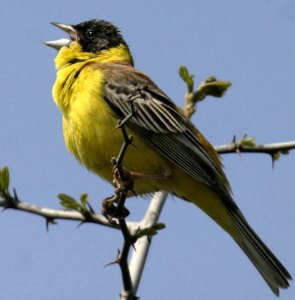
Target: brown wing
158 121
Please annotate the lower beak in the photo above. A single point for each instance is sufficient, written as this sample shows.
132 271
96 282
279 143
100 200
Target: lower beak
58 44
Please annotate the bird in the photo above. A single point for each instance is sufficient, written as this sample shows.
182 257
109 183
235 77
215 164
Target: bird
97 85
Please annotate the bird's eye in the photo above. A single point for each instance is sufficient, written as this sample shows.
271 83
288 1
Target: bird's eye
90 34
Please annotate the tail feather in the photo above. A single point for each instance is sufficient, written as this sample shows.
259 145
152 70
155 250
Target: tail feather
271 269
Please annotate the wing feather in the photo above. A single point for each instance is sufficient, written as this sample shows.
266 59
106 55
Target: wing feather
158 121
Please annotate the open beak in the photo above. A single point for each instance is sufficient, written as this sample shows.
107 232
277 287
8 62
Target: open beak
58 44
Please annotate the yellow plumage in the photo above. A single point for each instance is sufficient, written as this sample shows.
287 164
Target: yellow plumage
89 123
95 80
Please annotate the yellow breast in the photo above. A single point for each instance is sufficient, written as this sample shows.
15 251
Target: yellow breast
89 123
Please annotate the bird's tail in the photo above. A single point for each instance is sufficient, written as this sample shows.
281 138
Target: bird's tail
271 269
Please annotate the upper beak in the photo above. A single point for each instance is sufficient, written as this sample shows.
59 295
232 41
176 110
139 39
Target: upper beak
65 27
58 44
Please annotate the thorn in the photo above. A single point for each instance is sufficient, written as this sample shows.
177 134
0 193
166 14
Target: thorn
15 195
234 139
236 145
47 224
116 261
49 220
80 224
133 245
272 160
90 208
119 125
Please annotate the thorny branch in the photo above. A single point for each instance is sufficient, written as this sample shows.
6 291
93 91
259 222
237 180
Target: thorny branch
116 214
271 149
54 214
123 183
60 214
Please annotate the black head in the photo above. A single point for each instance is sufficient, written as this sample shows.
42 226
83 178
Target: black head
97 35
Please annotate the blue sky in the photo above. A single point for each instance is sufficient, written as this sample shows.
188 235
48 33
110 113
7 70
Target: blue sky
250 45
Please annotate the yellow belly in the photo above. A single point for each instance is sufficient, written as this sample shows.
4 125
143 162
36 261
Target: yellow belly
89 135
89 124
94 145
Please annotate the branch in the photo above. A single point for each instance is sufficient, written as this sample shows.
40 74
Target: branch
123 182
270 149
142 246
248 145
13 202
8 201
58 214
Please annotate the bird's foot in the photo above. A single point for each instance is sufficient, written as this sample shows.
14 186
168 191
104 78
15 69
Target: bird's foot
113 207
123 179
111 211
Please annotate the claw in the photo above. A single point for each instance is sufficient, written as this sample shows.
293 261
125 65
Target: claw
111 212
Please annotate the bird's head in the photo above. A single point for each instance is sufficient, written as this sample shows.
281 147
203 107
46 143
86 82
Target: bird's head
97 38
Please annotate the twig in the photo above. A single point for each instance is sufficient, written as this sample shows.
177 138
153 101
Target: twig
142 245
59 214
262 148
209 87
123 257
128 292
123 185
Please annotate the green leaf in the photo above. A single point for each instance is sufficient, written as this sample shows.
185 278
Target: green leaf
4 180
66 198
248 141
183 72
150 231
213 87
1 183
52 221
160 226
84 200
5 176
276 155
187 78
68 202
284 152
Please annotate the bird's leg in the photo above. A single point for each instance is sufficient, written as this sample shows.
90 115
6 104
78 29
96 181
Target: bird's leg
125 184
122 182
